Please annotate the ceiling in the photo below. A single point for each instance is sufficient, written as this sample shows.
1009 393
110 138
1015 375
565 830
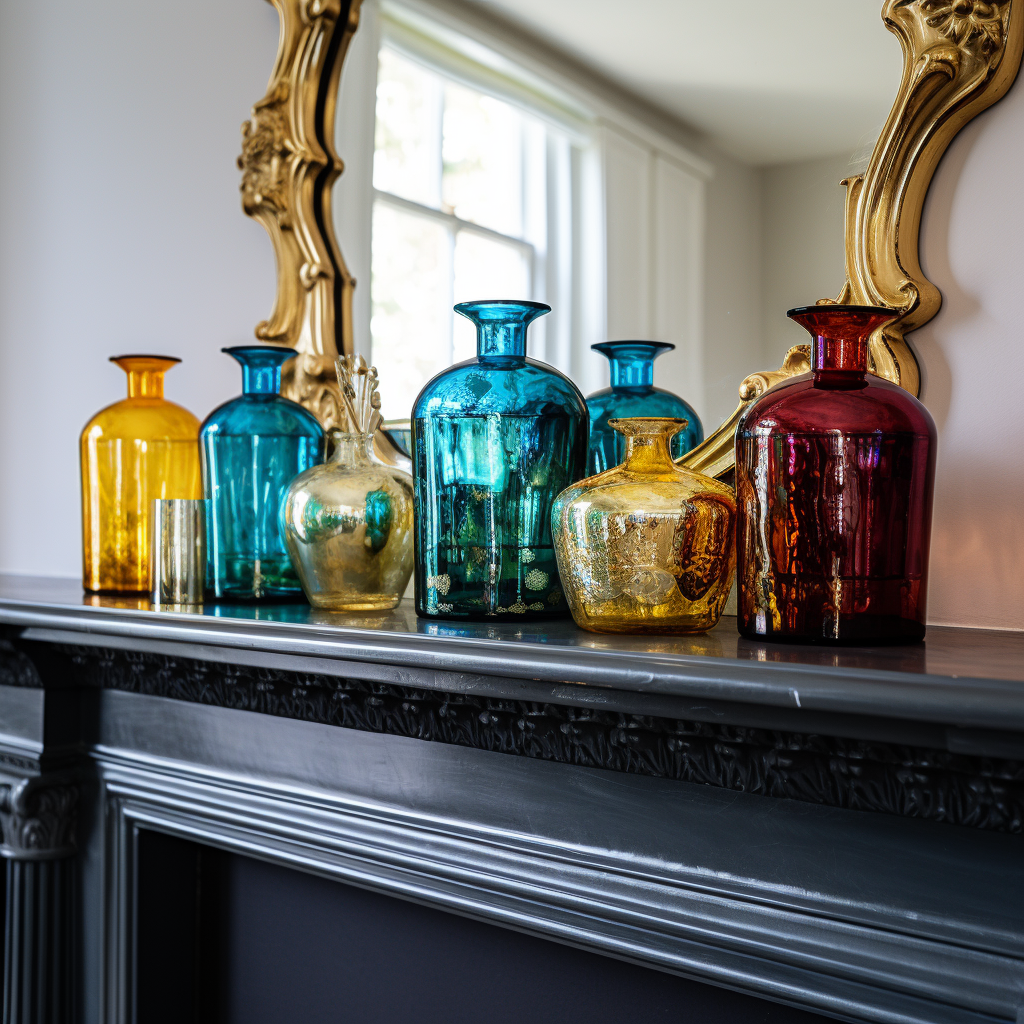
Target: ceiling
768 82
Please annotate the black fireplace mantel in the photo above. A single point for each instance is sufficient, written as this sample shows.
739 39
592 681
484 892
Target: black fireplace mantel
837 829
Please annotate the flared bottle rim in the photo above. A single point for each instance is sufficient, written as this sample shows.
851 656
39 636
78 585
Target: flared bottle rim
840 307
648 426
498 309
170 360
240 352
610 347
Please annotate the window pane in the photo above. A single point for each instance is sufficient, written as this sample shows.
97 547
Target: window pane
407 144
485 269
483 160
410 325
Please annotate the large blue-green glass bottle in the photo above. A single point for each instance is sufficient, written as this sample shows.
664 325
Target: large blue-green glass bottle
252 448
495 439
633 394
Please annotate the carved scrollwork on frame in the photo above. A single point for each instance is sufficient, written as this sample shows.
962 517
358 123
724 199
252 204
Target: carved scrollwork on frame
289 166
959 57
716 456
37 817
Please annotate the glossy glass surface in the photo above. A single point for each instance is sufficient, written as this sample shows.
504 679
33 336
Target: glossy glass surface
834 479
400 432
252 449
496 438
138 449
632 393
348 525
960 667
646 547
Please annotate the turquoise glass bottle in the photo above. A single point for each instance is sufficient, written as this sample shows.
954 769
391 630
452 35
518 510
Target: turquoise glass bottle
252 448
632 393
495 439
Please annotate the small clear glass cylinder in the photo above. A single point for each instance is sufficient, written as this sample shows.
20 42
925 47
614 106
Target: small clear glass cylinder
179 551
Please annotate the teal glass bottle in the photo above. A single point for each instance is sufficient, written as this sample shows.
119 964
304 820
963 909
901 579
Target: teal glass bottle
495 439
632 393
252 448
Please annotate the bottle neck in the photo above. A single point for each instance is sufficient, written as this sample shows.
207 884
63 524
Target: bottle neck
839 362
145 383
349 449
839 355
839 340
261 379
632 371
501 341
649 453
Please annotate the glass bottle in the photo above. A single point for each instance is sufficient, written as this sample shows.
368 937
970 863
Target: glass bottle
834 477
348 523
647 546
632 393
135 450
495 439
252 448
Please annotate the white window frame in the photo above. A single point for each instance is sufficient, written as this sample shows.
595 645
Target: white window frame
455 225
552 265
606 274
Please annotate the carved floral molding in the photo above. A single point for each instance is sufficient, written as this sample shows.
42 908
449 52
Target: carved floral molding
289 166
37 817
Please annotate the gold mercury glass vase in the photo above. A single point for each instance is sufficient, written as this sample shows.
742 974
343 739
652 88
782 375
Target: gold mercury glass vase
348 523
646 547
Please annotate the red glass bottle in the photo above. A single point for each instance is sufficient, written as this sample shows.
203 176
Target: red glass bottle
834 477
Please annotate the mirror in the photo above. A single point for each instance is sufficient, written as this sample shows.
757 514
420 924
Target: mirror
668 173
714 199
479 182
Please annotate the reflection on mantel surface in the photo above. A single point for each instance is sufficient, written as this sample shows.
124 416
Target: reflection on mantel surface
948 652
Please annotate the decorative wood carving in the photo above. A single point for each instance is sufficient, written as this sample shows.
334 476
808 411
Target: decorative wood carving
37 815
890 778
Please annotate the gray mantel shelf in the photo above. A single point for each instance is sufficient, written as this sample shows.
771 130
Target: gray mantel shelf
962 688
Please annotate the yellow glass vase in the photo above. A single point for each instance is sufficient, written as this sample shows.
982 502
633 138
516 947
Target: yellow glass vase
646 547
138 449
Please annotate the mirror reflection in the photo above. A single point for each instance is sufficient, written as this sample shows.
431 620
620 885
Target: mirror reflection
666 174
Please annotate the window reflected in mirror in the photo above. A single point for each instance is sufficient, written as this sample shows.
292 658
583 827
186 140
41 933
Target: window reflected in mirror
460 201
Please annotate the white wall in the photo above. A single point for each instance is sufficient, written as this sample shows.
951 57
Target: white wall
802 254
732 286
654 213
121 230
972 356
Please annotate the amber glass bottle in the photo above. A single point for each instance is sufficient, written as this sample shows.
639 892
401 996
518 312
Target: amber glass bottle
834 478
138 449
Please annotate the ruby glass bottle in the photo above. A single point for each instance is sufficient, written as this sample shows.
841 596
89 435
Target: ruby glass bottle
834 479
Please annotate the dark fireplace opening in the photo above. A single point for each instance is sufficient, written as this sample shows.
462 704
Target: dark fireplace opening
234 940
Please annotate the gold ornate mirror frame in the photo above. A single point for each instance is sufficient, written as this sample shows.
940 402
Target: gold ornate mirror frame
959 57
